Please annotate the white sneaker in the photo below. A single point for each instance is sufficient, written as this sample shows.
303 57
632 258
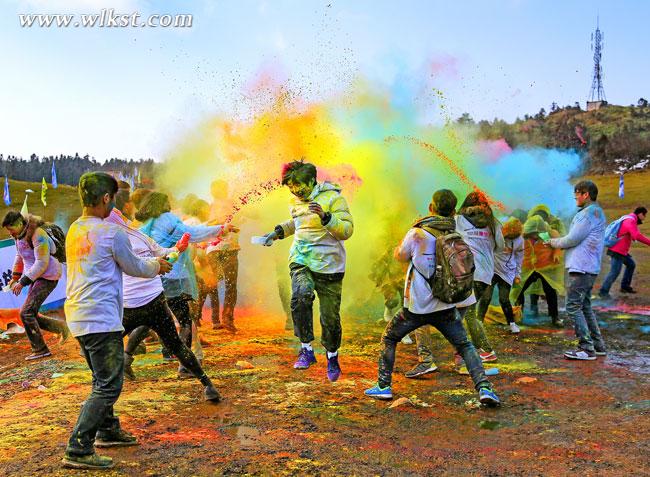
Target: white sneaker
388 315
514 329
407 340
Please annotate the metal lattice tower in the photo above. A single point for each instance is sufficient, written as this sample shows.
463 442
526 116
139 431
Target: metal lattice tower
597 92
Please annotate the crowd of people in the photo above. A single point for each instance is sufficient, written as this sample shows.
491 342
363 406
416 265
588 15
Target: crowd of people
136 267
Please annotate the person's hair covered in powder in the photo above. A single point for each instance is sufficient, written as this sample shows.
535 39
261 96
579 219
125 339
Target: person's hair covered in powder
477 210
94 185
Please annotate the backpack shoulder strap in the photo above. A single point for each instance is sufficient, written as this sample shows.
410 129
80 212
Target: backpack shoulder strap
435 232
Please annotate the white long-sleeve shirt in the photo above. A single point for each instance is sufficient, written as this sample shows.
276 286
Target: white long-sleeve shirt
97 253
483 245
507 262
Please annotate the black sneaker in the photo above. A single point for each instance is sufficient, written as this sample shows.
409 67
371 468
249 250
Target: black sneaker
92 461
581 354
421 369
118 438
600 352
44 353
557 322
211 394
627 290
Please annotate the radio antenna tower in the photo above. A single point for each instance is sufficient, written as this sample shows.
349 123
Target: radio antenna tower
597 92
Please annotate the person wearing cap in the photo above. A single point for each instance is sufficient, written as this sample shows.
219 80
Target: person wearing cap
507 268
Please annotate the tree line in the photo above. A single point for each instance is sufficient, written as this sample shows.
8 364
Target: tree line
70 168
603 136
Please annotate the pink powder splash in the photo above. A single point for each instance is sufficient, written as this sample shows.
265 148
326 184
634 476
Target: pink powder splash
341 174
444 66
493 150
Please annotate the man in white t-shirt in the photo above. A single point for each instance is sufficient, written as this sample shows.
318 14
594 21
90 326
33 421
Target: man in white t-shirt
98 253
422 308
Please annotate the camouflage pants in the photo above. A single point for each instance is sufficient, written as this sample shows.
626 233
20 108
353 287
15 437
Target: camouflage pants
304 283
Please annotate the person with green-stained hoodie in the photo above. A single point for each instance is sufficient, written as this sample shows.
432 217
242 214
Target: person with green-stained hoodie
320 223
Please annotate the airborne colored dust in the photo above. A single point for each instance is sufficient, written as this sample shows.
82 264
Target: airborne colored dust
389 147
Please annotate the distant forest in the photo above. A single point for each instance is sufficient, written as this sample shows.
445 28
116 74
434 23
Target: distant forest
70 168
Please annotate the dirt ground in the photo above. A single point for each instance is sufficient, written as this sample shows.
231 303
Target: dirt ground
558 417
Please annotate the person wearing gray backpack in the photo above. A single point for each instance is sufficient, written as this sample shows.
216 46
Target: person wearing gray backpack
440 274
36 266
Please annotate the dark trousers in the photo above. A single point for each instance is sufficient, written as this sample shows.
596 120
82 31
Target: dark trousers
158 316
304 283
447 323
180 307
197 306
225 264
475 315
578 307
104 353
504 297
33 321
617 262
549 292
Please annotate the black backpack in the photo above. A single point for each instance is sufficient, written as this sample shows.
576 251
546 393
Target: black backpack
58 237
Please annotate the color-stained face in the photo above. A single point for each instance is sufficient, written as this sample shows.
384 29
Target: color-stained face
15 229
129 210
581 198
301 190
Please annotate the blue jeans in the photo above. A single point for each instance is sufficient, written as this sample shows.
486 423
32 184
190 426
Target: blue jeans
104 353
578 307
447 323
617 262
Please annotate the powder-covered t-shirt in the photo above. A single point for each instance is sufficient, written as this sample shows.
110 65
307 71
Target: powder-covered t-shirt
98 252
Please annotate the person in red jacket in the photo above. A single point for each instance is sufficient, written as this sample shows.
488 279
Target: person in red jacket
620 252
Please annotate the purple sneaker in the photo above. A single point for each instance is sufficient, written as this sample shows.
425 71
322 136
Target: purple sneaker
305 359
333 368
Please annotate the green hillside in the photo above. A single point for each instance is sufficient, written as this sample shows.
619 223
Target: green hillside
62 203
611 133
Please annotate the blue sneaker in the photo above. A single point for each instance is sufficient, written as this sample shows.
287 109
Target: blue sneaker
333 368
488 398
305 359
379 393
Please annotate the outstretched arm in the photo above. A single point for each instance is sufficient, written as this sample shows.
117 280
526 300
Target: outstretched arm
578 232
129 262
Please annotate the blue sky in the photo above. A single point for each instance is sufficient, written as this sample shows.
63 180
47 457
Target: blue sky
132 92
